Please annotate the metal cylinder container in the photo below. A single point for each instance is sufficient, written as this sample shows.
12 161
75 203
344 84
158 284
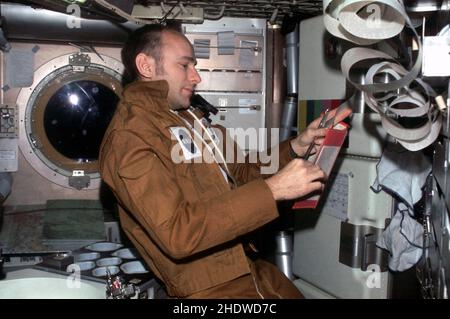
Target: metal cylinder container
283 255
23 22
357 101
292 39
275 90
288 117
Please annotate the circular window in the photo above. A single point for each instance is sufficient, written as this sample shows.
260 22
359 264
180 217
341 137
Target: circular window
76 117
65 116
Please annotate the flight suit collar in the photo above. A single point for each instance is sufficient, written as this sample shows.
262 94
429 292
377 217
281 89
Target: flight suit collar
156 89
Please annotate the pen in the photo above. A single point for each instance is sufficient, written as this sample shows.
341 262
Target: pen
311 146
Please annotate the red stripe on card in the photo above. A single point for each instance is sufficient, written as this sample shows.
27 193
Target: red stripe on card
335 137
307 203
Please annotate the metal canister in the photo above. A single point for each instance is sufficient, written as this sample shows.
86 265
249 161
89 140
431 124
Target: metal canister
288 119
283 254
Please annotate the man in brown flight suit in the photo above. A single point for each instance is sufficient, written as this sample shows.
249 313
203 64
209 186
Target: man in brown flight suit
188 218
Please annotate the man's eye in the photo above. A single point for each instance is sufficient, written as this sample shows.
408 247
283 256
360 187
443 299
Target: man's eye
184 66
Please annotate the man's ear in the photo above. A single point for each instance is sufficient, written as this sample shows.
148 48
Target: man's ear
145 65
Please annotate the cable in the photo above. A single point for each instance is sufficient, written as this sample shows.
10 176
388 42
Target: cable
183 9
273 17
163 7
217 16
125 15
170 11
211 139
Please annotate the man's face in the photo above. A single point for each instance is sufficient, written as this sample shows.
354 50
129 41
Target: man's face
178 69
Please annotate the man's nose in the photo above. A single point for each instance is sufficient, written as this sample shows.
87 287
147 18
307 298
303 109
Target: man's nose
195 77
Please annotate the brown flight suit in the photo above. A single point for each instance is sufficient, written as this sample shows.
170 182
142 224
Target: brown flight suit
185 219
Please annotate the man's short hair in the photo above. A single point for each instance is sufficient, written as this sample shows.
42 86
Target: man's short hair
147 40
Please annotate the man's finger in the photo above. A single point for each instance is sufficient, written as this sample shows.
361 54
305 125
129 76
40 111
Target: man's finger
344 113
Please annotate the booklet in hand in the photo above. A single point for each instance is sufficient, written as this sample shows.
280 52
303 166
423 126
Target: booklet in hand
325 158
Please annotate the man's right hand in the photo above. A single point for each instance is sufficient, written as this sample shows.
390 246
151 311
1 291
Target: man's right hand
296 179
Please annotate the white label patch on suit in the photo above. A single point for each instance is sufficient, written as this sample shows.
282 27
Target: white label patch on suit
189 148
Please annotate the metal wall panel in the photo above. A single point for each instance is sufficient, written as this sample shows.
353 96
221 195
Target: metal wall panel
233 82
29 186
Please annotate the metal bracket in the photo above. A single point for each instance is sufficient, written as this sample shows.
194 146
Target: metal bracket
78 180
8 120
79 61
358 247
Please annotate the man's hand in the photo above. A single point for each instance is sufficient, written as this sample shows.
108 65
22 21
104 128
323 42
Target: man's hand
296 179
313 134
